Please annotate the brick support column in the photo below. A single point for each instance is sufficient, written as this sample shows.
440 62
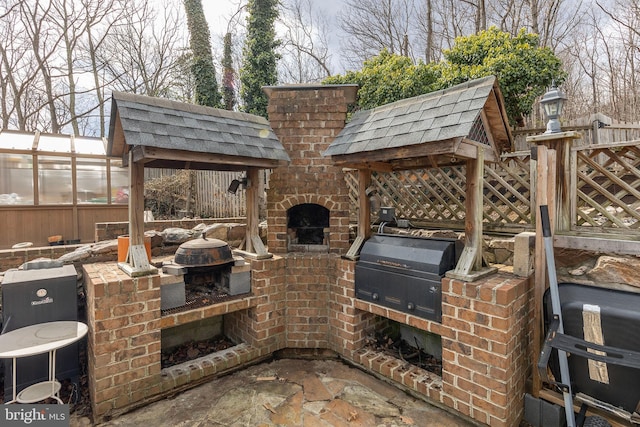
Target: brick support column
307 292
486 355
124 349
262 326
349 325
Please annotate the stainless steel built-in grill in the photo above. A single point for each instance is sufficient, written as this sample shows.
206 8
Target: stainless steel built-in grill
405 273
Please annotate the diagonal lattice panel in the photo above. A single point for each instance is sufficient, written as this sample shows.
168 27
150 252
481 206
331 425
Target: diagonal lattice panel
425 195
437 195
608 183
396 189
447 192
508 192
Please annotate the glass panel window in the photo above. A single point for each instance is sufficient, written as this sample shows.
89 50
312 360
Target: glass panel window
91 177
16 179
54 180
119 182
16 141
89 146
54 143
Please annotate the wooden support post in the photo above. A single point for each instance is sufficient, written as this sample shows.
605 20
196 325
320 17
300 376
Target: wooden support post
563 185
545 195
469 267
187 167
74 194
473 205
254 244
561 142
364 214
136 263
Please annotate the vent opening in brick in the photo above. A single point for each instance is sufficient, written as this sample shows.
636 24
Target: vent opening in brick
308 225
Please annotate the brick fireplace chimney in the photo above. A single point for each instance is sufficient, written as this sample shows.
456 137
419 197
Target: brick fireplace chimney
307 201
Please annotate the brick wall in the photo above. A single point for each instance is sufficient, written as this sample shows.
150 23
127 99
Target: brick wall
293 307
306 119
485 333
14 258
262 326
486 355
307 300
123 315
349 325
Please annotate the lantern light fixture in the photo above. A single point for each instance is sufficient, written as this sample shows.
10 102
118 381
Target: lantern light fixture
552 102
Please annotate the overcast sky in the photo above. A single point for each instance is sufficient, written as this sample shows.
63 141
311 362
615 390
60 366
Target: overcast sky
219 12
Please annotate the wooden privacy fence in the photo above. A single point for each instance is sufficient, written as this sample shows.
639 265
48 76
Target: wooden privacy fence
201 192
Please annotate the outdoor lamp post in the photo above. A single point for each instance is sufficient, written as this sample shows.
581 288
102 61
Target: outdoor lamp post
552 102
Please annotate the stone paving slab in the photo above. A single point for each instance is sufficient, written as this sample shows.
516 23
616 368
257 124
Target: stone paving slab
291 392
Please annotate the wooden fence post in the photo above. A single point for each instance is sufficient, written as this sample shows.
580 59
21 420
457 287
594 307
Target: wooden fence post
561 142
545 195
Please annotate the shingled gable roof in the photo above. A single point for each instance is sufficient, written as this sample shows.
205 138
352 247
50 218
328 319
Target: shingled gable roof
170 134
433 129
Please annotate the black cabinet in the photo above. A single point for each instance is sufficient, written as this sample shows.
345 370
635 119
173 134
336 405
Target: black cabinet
38 296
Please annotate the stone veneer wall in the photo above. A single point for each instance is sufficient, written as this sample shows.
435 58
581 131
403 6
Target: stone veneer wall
111 230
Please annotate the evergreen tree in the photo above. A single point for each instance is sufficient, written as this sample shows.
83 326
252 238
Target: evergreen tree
228 75
259 55
202 68
524 68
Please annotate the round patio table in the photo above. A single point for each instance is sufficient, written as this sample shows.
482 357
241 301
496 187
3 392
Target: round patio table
37 339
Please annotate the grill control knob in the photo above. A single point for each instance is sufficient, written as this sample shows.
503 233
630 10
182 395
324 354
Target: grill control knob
411 306
375 296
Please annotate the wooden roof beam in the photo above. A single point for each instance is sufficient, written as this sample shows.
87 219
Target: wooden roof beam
149 154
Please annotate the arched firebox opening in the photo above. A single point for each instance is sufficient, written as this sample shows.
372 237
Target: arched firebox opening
308 228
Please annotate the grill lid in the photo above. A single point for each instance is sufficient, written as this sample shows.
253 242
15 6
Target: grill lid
411 253
203 252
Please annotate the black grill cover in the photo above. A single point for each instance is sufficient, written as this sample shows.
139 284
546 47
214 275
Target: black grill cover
620 323
404 273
